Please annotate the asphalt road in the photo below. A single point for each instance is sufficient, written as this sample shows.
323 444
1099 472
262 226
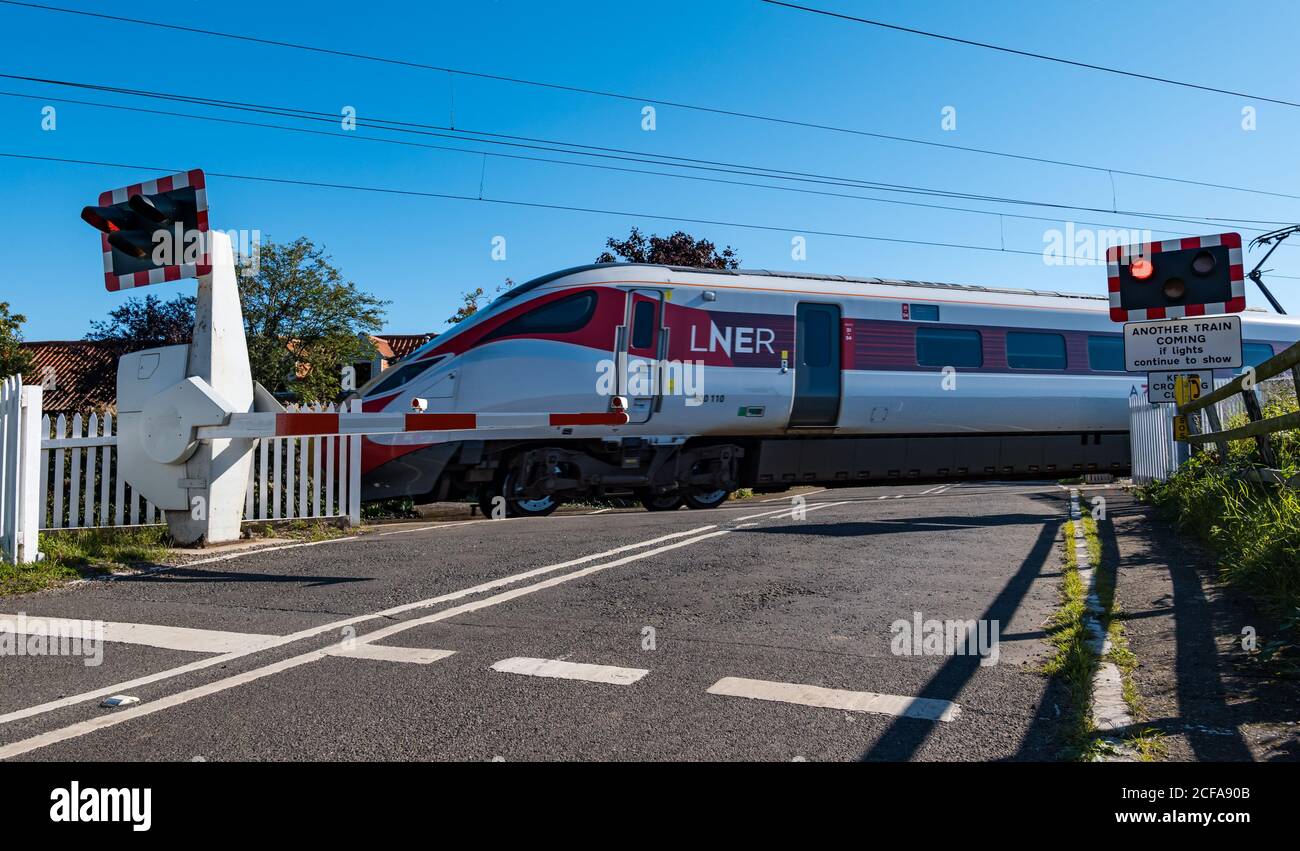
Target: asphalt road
709 627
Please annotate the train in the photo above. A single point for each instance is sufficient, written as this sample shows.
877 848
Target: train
764 380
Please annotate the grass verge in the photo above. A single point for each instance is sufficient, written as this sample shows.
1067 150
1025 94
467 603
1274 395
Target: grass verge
1253 530
1074 663
81 553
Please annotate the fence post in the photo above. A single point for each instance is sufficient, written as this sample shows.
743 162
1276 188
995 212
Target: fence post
354 473
1253 411
31 501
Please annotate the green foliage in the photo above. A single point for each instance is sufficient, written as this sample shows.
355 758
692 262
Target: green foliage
676 249
304 322
397 508
146 323
1253 529
13 358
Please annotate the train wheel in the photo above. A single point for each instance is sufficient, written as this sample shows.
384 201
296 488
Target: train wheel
702 499
661 502
505 488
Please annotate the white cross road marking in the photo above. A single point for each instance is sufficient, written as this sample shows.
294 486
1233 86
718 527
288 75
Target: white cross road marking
166 637
385 653
925 708
569 670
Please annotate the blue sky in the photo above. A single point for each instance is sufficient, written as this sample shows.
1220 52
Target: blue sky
734 54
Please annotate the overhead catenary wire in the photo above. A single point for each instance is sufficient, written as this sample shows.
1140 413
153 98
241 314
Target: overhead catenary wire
556 207
695 107
594 151
1029 54
352 136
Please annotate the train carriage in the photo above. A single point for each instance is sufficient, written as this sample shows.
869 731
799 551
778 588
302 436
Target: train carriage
734 378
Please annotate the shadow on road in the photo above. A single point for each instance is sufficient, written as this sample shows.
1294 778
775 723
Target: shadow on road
169 575
889 527
904 736
1204 692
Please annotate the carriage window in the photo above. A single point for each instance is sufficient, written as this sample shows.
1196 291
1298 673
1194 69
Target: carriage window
643 325
1032 350
1253 354
558 317
403 374
949 347
1106 354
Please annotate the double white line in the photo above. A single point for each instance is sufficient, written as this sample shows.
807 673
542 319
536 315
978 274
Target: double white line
659 545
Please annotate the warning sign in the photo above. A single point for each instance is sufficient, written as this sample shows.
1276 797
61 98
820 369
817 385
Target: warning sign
1160 385
1182 345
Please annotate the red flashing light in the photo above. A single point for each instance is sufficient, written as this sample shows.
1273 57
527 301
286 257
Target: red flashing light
1142 268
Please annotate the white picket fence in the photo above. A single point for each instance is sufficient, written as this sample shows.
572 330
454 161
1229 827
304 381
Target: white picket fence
20 412
292 477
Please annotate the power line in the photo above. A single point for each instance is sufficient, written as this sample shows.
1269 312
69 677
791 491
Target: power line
557 207
550 145
732 113
1030 54
870 199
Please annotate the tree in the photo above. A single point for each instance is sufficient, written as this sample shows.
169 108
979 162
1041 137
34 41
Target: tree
470 302
14 359
676 249
468 306
146 323
304 322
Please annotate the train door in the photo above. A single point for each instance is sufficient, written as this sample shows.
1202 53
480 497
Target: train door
638 356
816 366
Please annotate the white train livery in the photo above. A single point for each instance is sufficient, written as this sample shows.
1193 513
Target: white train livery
758 379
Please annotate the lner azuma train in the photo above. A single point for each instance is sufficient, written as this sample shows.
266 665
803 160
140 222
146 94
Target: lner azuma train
763 380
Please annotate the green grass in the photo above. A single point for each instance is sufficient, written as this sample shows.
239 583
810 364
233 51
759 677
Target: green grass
1253 530
1074 664
79 553
299 530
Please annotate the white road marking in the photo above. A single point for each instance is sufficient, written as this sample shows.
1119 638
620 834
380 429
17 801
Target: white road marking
167 637
335 626
386 653
930 490
569 670
791 496
787 512
925 708
168 701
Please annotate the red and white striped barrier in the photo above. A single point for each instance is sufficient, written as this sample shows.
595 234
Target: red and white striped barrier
322 424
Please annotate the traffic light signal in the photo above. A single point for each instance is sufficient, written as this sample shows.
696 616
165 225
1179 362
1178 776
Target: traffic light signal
154 231
1195 276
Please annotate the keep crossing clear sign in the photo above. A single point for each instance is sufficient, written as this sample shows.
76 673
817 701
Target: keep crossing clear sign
1160 385
1181 345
